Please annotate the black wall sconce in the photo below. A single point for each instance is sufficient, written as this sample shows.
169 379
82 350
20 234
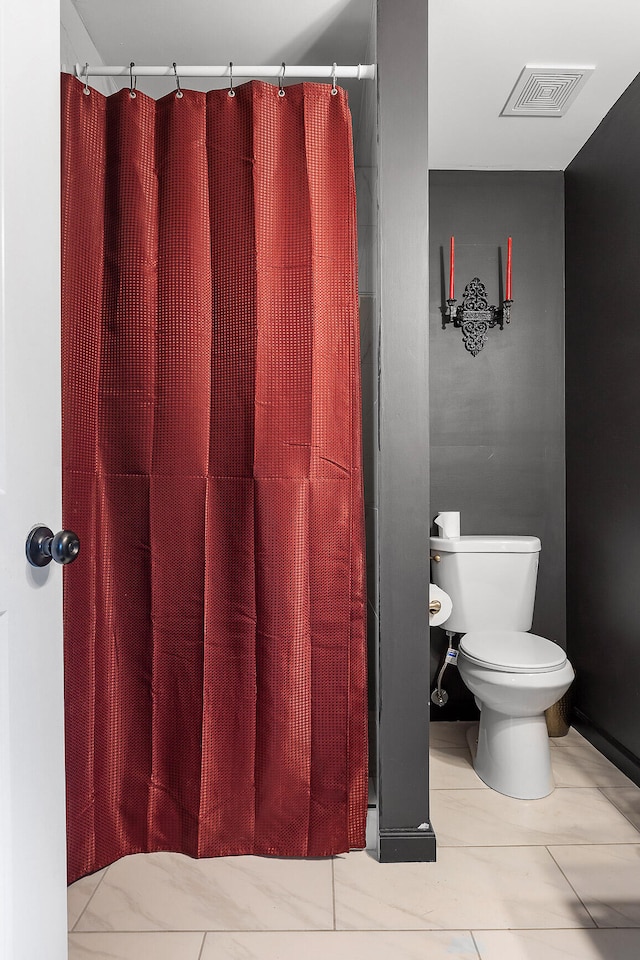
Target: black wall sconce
474 315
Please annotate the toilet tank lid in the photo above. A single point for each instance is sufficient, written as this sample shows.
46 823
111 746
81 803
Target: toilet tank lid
485 544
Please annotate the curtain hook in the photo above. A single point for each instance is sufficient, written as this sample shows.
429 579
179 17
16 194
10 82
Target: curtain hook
87 89
132 84
334 89
179 92
232 92
280 79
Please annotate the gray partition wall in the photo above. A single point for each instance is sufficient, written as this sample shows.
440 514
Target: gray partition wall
403 467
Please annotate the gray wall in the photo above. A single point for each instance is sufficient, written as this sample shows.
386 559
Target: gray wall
497 420
603 423
403 461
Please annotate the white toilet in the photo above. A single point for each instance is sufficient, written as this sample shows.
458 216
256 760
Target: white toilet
514 675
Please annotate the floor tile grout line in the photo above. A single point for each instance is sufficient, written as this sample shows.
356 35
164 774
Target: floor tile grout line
616 807
559 787
582 787
355 931
557 929
619 786
216 930
542 843
93 893
541 929
572 886
475 943
204 937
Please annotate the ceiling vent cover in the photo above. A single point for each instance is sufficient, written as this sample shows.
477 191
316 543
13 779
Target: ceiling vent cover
545 91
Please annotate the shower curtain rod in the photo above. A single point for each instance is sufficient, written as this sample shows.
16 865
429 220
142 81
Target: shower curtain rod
363 71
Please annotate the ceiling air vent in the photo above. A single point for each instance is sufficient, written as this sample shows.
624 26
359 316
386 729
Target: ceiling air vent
545 91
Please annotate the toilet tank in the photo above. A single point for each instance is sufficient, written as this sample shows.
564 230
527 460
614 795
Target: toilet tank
491 581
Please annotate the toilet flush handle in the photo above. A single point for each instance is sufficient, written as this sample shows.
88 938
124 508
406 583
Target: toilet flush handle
434 607
436 557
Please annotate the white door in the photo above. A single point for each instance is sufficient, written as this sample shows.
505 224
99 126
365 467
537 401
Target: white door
32 829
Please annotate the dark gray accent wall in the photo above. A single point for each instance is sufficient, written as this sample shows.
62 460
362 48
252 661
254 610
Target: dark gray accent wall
403 464
497 420
603 423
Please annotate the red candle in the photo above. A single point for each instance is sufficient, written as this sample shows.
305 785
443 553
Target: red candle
452 259
508 290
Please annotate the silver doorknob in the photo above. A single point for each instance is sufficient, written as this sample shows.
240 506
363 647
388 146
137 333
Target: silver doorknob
42 546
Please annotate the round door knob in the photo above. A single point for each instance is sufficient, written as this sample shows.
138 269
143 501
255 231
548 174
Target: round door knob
43 547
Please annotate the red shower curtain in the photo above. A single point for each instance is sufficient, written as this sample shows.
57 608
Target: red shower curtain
214 620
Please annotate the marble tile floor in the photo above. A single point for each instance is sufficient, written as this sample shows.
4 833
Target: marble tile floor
551 879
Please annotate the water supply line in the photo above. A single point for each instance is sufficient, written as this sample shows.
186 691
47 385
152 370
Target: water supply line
440 696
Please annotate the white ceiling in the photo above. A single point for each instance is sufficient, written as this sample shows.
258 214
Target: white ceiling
216 31
211 31
477 49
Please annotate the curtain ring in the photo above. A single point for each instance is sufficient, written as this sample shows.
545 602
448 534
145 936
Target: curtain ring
334 89
132 83
280 79
232 92
87 89
179 93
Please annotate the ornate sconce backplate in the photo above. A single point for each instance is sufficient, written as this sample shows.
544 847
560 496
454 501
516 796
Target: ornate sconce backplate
475 316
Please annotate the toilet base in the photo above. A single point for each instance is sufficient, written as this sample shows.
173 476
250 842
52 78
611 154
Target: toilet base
512 755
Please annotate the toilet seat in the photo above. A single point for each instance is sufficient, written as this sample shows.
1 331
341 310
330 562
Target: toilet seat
512 651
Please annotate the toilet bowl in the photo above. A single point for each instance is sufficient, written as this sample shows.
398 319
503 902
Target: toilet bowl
515 677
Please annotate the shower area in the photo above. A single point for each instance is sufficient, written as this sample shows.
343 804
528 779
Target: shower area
222 479
220 689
